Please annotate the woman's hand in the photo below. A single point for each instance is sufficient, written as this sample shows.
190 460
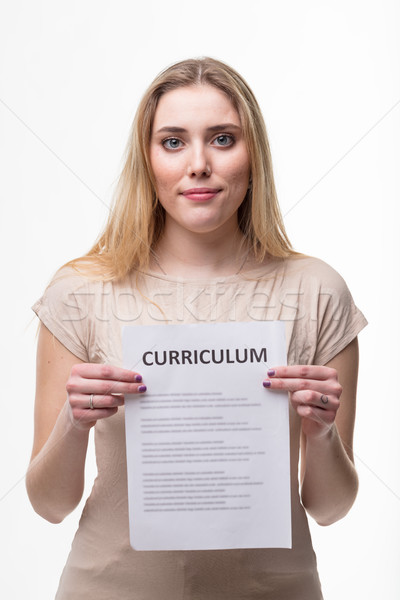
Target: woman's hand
56 474
328 478
314 393
96 391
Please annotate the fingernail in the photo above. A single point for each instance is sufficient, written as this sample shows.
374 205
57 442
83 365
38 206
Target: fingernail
142 388
266 383
271 372
138 378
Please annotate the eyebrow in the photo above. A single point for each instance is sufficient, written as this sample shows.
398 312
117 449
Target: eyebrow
172 129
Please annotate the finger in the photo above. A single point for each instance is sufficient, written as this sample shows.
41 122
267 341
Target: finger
96 401
328 388
83 416
303 372
322 417
315 399
99 371
77 385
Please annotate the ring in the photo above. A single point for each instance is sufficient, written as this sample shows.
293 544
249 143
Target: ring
91 402
324 399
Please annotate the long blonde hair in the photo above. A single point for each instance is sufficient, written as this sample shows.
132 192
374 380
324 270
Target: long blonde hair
136 219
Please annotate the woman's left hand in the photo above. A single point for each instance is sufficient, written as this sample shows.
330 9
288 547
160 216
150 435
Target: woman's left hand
314 393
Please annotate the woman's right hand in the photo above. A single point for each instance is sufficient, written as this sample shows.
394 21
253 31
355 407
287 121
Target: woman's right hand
56 474
95 391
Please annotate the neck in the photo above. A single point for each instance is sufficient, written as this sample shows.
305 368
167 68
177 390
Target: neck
200 256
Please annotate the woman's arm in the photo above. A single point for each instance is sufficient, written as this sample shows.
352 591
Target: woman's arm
63 419
328 476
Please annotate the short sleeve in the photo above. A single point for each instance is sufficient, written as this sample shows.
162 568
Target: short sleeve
338 319
64 310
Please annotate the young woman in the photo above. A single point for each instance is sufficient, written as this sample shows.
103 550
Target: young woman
195 234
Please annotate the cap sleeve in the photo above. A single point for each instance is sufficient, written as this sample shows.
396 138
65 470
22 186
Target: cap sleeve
64 310
339 320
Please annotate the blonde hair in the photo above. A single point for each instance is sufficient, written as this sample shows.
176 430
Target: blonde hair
136 219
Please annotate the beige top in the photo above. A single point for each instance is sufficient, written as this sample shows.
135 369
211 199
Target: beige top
87 317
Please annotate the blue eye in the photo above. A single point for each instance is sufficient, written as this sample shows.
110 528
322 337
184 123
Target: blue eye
171 143
224 140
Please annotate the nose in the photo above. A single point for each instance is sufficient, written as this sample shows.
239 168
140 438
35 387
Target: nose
198 164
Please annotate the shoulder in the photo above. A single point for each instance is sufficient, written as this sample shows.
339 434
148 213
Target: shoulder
309 265
320 286
66 285
72 295
333 318
67 279
313 271
69 297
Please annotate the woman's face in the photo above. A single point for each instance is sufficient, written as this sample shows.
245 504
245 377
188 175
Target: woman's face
199 159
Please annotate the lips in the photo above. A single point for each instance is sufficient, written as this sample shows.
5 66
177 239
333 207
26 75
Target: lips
201 194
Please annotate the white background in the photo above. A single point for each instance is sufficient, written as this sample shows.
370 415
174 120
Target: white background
326 74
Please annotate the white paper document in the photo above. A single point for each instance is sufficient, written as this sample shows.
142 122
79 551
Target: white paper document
207 445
